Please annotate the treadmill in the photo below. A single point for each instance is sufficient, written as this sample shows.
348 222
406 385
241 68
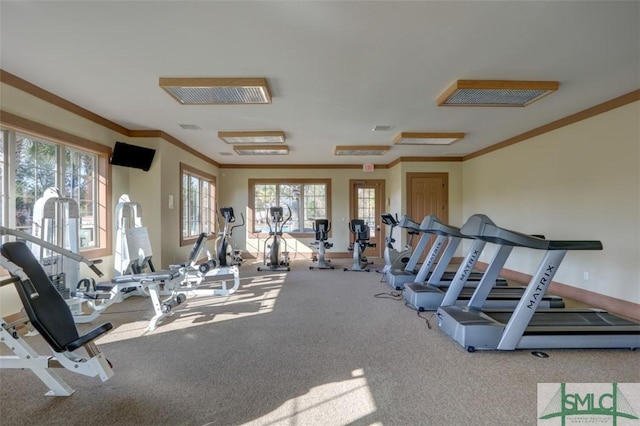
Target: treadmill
440 276
397 278
428 296
528 327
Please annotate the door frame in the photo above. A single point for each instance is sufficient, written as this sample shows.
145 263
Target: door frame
443 216
381 193
445 179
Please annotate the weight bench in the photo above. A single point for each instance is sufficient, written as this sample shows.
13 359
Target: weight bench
50 315
177 282
154 284
192 279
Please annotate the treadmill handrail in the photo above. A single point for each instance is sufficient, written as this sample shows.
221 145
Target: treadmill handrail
481 227
406 222
431 224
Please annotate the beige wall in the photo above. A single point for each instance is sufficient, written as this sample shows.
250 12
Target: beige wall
151 189
578 182
168 231
32 108
233 189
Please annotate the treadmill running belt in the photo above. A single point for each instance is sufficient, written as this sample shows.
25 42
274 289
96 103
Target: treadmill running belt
567 319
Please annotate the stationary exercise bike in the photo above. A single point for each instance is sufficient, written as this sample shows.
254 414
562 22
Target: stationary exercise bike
321 228
360 230
395 259
277 259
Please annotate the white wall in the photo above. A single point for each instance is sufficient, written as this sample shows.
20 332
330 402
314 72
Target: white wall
580 182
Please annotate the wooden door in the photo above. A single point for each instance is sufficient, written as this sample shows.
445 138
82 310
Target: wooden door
427 193
366 202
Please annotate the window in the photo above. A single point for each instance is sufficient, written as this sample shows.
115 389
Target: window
197 204
366 205
3 178
36 165
80 185
73 167
307 199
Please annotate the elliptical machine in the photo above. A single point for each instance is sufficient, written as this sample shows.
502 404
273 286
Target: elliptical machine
226 254
321 228
360 230
277 259
225 245
395 259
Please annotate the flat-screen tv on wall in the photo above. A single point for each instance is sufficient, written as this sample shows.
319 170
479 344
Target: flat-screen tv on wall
134 156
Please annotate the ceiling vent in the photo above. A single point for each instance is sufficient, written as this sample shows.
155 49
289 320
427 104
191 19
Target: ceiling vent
260 137
361 149
504 93
423 138
217 91
189 126
382 128
261 149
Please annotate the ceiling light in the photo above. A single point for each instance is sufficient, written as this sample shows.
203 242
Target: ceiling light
211 91
261 149
382 128
361 149
495 92
264 137
421 138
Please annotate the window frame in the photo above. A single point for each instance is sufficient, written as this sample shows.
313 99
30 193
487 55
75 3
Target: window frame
191 171
251 202
14 123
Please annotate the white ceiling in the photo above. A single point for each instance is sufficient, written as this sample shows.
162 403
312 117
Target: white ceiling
336 69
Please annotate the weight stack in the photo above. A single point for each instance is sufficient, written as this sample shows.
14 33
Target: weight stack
59 283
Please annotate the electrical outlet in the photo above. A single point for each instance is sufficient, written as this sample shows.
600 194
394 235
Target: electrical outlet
586 276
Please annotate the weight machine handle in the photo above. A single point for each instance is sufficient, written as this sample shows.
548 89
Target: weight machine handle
9 280
52 247
97 271
18 276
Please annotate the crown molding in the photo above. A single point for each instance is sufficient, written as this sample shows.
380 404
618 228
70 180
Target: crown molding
25 86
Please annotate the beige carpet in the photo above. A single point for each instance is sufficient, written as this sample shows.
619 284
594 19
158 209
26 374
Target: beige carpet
300 348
